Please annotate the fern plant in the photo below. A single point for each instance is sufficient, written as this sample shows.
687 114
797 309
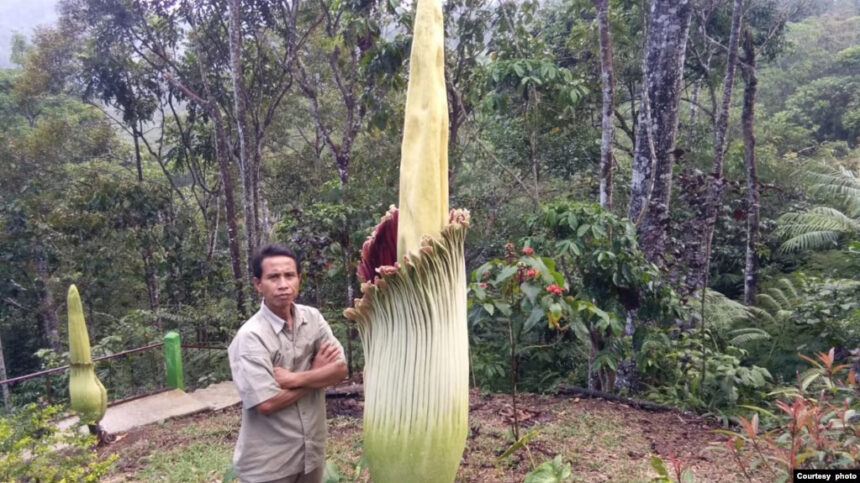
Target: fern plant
801 313
823 226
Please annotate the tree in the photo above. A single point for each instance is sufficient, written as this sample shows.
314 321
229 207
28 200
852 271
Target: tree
699 265
608 80
651 190
748 68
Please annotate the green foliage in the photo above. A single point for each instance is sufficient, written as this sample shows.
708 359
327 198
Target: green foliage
672 366
814 426
550 471
823 226
598 253
32 448
517 308
681 474
804 314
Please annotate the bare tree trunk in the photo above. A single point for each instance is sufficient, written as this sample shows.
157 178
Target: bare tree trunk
533 157
643 158
753 204
222 153
691 129
46 303
700 261
137 160
350 300
664 57
151 277
607 125
246 165
4 376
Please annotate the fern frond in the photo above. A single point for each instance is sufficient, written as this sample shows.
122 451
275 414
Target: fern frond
779 296
747 335
816 240
819 218
722 312
788 287
762 315
839 185
768 303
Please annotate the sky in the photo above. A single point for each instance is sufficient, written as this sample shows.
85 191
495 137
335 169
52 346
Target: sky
21 16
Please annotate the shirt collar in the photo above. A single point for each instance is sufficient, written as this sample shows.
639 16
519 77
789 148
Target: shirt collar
276 321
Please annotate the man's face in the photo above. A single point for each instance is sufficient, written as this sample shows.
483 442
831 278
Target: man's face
279 283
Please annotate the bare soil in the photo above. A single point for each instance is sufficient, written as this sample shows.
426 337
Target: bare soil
602 440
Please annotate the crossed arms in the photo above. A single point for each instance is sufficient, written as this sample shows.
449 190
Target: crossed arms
326 369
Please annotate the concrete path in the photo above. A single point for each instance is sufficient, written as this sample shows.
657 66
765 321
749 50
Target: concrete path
218 396
163 406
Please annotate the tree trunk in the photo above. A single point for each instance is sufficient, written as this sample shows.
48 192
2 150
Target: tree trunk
4 376
753 206
137 160
643 158
691 128
533 160
47 316
246 165
151 278
350 300
699 263
608 80
222 153
664 57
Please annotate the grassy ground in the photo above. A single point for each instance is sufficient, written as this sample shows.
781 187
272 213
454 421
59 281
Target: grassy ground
602 441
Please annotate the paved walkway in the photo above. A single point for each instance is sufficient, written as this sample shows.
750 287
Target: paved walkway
163 406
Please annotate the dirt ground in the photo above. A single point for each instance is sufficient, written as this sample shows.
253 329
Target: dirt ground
602 440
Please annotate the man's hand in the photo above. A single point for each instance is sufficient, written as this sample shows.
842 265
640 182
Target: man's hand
286 379
327 354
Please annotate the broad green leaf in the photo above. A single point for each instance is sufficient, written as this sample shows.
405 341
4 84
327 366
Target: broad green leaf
531 290
504 308
534 317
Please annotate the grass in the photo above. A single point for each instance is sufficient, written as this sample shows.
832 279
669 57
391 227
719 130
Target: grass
192 463
601 441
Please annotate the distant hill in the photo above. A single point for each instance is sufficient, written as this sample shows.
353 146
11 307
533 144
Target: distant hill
21 16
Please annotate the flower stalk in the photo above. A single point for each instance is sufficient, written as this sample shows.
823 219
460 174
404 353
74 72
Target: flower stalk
412 314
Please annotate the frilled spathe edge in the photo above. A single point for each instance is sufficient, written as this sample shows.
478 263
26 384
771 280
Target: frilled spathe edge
448 246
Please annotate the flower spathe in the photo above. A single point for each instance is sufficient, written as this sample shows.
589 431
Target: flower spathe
412 322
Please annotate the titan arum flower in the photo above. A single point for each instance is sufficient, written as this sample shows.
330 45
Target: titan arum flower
412 315
87 394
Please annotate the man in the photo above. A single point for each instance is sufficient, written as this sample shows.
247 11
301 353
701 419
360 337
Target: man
282 358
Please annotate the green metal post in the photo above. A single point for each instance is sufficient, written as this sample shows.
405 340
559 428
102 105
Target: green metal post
173 360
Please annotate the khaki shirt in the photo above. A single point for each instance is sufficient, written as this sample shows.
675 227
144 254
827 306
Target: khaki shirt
291 440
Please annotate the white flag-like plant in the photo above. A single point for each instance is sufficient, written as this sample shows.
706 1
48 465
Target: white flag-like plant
412 315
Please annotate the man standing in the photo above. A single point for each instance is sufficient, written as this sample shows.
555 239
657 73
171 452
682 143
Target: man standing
282 358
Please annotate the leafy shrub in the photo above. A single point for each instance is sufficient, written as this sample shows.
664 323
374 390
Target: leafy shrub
673 369
805 314
598 254
517 313
816 424
32 448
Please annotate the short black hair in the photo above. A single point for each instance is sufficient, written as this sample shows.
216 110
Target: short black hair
273 250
